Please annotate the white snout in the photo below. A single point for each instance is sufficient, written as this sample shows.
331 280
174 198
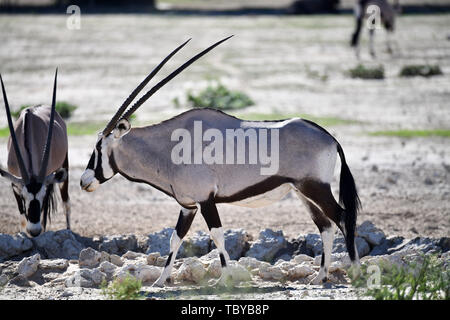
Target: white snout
34 229
88 182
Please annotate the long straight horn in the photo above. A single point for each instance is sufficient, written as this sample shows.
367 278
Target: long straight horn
23 169
46 154
160 84
112 123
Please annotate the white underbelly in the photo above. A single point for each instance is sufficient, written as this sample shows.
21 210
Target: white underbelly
265 199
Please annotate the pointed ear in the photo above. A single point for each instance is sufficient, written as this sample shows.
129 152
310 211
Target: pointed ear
58 176
122 128
10 177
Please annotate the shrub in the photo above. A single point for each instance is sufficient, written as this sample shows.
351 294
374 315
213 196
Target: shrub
64 109
427 279
420 70
362 72
219 97
123 289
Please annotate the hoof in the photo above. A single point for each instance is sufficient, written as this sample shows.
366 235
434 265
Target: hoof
318 280
223 282
158 284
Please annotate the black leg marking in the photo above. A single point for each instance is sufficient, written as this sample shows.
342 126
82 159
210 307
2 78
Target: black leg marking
223 262
210 213
168 259
184 222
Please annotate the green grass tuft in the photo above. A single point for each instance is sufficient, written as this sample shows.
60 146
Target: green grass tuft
412 133
420 70
425 279
218 97
125 289
64 109
362 72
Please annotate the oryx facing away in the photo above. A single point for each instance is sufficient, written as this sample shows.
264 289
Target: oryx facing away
375 12
37 159
306 164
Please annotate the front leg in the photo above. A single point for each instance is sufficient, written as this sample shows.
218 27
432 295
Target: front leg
184 223
211 215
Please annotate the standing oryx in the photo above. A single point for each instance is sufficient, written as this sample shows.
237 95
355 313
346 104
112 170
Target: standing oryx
152 155
376 11
37 159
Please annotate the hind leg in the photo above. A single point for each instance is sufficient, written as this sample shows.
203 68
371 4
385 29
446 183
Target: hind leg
326 229
64 189
324 209
211 216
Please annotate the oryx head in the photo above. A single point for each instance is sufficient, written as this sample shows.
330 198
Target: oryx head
33 190
101 165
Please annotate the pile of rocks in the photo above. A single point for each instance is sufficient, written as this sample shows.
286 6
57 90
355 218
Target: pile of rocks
63 258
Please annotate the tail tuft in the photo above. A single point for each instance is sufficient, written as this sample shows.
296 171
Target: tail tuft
349 199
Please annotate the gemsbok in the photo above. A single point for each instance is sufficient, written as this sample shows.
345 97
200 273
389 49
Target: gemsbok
37 159
198 174
376 12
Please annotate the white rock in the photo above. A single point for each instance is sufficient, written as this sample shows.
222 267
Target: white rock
302 258
191 270
146 273
152 257
28 266
3 279
85 278
238 272
130 255
13 245
107 268
161 261
250 263
214 269
89 258
140 270
267 245
299 271
49 265
284 265
272 273
370 233
116 260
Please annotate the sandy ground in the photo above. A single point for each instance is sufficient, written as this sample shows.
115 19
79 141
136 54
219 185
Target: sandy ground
403 183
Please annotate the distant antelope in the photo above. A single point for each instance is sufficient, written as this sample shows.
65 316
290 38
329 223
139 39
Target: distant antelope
37 159
384 13
306 165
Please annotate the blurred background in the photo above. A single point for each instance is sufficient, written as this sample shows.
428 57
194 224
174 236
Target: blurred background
287 59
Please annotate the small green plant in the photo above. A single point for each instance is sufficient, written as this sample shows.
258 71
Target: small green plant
420 70
123 289
64 109
425 279
219 97
413 133
362 72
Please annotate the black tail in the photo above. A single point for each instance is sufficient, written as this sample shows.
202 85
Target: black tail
348 197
